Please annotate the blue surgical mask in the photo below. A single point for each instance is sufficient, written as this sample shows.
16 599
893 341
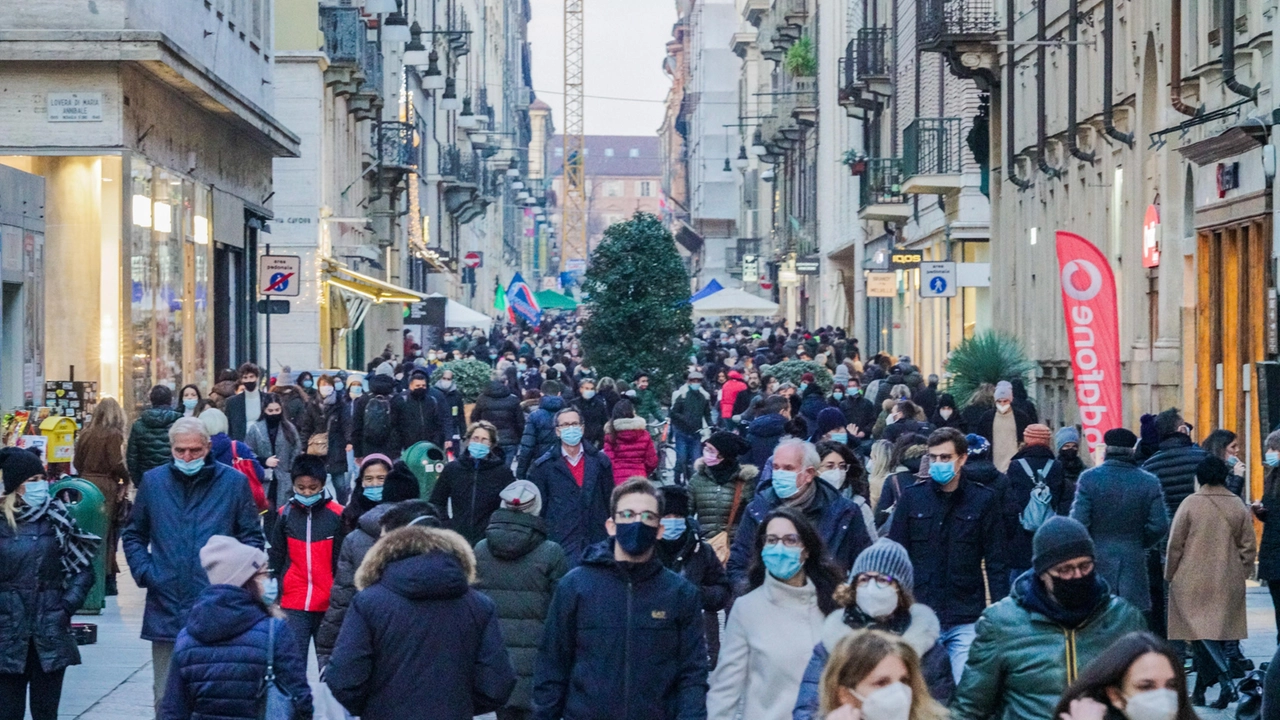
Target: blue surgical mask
803 387
190 403
588 394
522 367
571 435
189 467
1272 458
781 561
36 493
308 384
694 386
673 527
942 473
339 386
478 451
840 438
837 395
356 390
308 500
373 493
784 483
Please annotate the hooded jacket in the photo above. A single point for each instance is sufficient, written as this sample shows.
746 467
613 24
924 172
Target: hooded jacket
1023 659
383 386
304 553
418 641
539 433
148 446
729 393
351 552
690 409
811 403
498 405
575 514
471 488
1175 464
630 448
694 560
518 568
764 433
420 419
220 659
623 641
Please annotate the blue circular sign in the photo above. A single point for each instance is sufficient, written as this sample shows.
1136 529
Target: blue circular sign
938 284
279 282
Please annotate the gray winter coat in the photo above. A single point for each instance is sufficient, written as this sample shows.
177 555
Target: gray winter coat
288 444
1123 508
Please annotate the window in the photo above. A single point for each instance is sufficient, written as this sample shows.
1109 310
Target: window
645 188
608 152
635 152
559 151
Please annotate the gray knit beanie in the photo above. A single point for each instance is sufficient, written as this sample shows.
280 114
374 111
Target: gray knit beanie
228 561
887 558
1058 540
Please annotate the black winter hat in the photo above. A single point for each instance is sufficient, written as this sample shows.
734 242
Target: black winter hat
1058 540
1212 470
1120 438
401 484
729 446
18 466
675 500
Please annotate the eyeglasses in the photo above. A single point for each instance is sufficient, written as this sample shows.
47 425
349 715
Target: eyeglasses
791 541
866 579
570 425
1072 572
648 517
842 467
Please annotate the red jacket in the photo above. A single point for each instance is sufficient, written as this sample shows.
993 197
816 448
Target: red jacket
630 448
303 554
729 393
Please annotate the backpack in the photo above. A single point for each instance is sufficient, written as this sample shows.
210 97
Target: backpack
249 469
1039 506
377 418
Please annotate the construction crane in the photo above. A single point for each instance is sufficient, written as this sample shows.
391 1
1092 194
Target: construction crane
573 217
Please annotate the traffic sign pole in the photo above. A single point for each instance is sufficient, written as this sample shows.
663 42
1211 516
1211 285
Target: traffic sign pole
274 283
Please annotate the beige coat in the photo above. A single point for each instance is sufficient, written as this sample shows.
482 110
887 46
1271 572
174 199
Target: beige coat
1211 552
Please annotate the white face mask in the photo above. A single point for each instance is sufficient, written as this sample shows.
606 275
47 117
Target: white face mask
877 600
834 477
945 413
1159 704
1002 409
891 702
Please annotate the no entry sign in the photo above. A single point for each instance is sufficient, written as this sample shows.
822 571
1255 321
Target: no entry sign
279 275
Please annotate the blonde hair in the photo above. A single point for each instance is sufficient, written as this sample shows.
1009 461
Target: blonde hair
10 507
487 427
858 654
108 415
881 467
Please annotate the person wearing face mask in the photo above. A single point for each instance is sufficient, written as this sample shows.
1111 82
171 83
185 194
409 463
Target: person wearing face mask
452 405
1121 506
683 551
192 403
301 408
418 415
878 597
1066 448
303 551
874 675
946 414
540 435
842 469
1269 545
1209 558
178 507
1031 645
594 410
771 632
276 442
794 483
690 413
335 405
624 636
1003 426
470 486
721 488
952 529
1138 678
574 479
244 408
46 572
226 639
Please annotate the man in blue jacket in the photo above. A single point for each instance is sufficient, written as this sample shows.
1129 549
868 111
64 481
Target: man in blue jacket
624 637
766 430
575 480
178 508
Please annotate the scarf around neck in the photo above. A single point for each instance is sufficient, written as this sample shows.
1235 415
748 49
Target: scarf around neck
77 546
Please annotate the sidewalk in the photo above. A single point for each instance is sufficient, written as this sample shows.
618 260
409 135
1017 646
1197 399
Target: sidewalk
114 680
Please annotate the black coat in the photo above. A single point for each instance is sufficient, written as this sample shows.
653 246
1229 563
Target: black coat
575 515
470 488
948 536
36 598
595 413
383 386
518 568
927 398
1175 464
149 441
352 547
906 426
420 419
498 405
1018 549
1269 546
237 422
453 411
694 560
623 642
859 411
337 422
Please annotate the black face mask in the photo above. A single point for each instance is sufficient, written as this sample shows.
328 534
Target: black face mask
273 420
418 393
1078 594
250 386
1065 455
636 538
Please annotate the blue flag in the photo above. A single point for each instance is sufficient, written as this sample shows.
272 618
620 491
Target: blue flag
520 301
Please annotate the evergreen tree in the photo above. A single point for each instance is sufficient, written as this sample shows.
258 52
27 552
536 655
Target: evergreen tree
638 312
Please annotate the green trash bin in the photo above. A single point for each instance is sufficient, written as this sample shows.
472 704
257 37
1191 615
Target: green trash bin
88 508
426 461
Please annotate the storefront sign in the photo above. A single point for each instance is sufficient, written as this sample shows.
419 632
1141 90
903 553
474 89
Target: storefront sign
883 285
1151 237
1093 332
279 275
750 268
808 265
902 259
74 107
1228 178
1273 324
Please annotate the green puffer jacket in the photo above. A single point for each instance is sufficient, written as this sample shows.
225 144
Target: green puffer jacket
148 446
1022 661
710 501
518 568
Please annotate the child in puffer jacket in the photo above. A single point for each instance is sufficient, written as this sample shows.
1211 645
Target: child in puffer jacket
628 444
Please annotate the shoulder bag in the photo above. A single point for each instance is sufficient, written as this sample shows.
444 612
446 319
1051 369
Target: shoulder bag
720 541
273 702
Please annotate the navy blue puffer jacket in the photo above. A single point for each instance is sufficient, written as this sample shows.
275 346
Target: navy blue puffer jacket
220 659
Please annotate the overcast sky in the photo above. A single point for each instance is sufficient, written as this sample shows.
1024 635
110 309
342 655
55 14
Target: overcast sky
626 41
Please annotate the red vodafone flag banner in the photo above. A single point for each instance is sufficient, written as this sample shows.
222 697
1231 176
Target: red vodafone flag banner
1093 330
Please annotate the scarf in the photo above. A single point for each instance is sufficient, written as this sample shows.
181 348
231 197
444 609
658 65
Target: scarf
77 546
723 473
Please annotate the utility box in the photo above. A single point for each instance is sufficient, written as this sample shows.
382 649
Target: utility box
60 433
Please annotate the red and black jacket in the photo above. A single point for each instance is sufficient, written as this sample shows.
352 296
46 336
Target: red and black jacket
304 554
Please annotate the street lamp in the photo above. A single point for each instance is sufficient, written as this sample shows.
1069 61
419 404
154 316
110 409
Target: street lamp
727 167
449 101
432 78
741 162
522 195
395 28
415 53
767 175
517 184
513 170
467 119
757 144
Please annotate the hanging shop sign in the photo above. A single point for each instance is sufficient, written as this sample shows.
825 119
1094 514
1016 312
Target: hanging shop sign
1093 332
750 268
1151 237
903 259
882 285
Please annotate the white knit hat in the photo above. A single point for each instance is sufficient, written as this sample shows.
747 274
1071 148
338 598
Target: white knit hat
228 561
522 496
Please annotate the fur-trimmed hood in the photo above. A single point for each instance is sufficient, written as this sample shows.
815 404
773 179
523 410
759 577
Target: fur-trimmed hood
921 634
419 562
746 471
621 424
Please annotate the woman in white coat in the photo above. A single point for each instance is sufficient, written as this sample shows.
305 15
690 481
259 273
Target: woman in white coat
773 628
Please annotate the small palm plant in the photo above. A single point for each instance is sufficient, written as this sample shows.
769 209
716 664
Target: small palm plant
987 357
802 59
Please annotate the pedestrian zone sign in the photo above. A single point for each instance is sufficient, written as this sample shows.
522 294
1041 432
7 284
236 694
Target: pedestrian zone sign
279 275
937 279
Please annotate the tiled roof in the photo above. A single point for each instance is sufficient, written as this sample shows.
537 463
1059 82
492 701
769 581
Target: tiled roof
614 155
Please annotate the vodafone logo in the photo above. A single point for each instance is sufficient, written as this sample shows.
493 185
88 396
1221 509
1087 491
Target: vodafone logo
1073 272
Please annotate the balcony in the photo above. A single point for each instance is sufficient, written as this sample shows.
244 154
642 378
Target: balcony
804 101
964 31
753 11
345 44
366 101
880 192
395 146
873 60
742 41
460 179
794 12
931 156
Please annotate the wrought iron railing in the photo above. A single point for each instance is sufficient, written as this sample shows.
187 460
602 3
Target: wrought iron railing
395 145
873 56
882 183
344 35
931 146
450 161
941 23
371 68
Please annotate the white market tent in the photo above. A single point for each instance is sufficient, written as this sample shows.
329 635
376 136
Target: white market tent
733 302
457 315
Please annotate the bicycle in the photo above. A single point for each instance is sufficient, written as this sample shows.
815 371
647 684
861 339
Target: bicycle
660 431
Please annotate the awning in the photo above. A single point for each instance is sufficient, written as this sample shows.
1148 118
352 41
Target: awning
712 288
365 286
457 315
1242 138
552 300
734 302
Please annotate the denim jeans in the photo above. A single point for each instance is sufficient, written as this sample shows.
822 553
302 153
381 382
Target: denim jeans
956 640
341 487
303 625
687 450
510 452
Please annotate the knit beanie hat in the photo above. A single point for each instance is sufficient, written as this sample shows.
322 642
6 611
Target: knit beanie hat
729 445
829 419
886 557
1067 434
228 561
1004 390
947 400
978 445
1122 438
675 500
17 466
807 377
1058 540
522 496
1037 434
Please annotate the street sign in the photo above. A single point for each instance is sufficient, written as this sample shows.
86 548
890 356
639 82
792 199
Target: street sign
473 259
808 265
276 307
1151 237
750 268
884 285
575 265
937 279
74 107
279 275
